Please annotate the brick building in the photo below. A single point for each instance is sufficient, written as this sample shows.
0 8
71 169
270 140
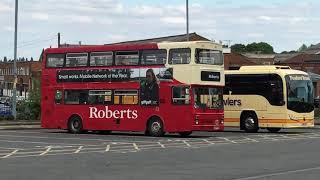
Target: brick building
27 73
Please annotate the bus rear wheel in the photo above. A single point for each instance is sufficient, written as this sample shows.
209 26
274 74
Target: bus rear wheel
250 123
185 134
273 130
155 127
75 125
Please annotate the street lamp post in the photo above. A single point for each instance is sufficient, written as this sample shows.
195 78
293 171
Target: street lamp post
187 14
14 90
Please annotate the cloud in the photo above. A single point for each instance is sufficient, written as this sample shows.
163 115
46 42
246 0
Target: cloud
106 21
255 35
8 28
40 16
174 20
79 19
265 18
5 8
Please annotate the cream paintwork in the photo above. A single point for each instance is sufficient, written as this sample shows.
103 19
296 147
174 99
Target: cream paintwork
191 73
268 115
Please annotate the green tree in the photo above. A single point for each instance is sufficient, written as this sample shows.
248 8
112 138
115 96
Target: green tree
238 48
302 48
261 47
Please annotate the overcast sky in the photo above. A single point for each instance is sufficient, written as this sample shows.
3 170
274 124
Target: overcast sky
285 24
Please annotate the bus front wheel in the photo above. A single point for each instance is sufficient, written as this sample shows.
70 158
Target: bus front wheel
273 130
75 125
155 127
250 123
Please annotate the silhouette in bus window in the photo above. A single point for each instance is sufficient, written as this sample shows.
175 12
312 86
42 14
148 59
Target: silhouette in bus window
149 89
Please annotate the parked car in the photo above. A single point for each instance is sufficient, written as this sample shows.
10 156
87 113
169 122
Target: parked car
5 110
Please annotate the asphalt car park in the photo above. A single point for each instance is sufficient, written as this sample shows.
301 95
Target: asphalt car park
206 155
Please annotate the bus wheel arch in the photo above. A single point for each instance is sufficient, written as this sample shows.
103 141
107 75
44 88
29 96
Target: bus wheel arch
155 126
249 121
75 124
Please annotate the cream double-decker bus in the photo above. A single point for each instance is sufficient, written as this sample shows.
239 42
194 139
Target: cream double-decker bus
271 97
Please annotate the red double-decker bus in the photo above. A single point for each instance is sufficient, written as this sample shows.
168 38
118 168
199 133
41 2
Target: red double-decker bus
154 88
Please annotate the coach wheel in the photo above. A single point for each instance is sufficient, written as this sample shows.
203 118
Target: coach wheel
75 125
250 123
185 134
273 130
155 127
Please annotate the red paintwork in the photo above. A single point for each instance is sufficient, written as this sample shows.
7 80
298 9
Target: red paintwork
176 118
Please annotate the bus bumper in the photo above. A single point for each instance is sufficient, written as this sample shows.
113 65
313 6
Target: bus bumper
208 122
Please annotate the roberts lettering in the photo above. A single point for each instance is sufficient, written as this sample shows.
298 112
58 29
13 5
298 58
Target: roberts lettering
107 113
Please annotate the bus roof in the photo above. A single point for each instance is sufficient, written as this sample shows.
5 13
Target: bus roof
266 69
130 47
270 67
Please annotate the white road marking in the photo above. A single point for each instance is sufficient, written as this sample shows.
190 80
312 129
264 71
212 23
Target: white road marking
107 148
161 145
227 140
10 154
264 176
46 151
135 146
79 149
185 142
205 140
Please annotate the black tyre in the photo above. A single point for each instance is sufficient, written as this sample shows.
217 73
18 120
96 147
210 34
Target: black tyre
250 122
155 127
75 125
185 134
273 130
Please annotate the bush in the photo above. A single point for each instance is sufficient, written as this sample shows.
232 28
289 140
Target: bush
30 109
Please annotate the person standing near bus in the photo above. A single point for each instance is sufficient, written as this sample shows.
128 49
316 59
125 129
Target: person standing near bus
150 89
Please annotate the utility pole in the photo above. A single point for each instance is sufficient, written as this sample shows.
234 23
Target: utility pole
59 40
187 14
14 90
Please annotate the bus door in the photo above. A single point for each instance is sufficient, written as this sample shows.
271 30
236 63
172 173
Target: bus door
57 105
181 112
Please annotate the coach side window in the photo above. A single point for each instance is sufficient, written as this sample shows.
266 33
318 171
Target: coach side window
76 59
55 60
180 56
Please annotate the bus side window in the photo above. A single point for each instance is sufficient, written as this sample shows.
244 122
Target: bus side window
100 97
126 97
75 96
58 97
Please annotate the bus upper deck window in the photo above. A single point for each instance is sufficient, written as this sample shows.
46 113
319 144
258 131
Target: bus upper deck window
180 56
